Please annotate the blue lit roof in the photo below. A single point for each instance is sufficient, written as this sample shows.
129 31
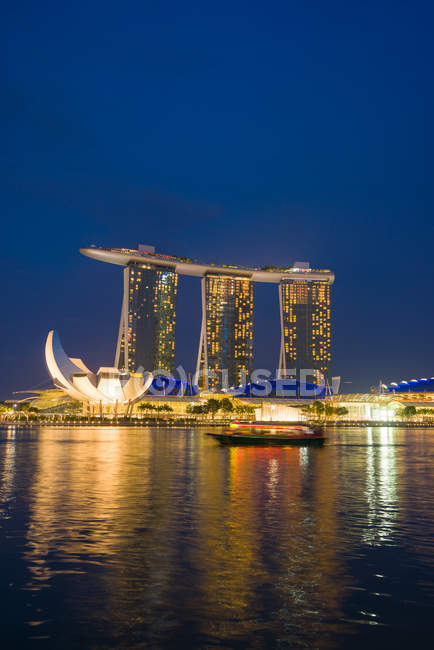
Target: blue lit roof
281 388
423 385
165 386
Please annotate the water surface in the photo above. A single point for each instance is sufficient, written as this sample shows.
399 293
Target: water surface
137 538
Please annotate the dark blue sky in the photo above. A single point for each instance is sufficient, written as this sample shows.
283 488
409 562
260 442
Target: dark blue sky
246 132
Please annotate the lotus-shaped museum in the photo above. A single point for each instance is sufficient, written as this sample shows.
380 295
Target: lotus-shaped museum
108 387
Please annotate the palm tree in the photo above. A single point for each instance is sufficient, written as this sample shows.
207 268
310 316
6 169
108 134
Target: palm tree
144 407
341 411
317 408
328 410
4 411
212 405
226 405
408 412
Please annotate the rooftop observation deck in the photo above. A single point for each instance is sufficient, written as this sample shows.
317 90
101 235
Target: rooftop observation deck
185 266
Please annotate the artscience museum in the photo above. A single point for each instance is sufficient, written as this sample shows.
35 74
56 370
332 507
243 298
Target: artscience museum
110 390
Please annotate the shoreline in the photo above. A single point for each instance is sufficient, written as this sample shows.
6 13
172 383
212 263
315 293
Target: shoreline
211 423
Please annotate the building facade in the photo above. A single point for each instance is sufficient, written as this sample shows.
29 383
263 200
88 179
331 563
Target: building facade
147 329
225 356
305 328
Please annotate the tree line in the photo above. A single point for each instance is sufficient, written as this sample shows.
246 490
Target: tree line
410 411
320 410
226 405
212 406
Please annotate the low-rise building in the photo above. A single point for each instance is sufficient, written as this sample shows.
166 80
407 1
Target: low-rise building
382 407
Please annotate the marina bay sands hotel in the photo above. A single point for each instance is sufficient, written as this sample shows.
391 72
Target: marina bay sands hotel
148 317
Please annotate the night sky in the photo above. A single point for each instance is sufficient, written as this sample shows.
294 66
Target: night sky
239 132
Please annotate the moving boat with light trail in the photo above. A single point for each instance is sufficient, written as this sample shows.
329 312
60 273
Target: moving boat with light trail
269 433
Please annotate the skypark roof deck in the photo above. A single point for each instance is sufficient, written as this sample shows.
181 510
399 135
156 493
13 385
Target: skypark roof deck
184 266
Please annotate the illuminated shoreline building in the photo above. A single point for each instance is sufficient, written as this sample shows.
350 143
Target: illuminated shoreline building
226 339
109 390
147 330
305 326
148 319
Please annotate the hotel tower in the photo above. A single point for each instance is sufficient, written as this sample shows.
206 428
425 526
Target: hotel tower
146 338
225 355
305 328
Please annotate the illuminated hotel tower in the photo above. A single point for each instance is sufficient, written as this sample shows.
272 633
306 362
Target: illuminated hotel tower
147 330
148 319
226 339
305 326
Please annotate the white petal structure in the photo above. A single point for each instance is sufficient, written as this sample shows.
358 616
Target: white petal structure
108 387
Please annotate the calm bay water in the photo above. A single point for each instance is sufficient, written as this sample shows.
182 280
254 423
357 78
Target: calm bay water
124 537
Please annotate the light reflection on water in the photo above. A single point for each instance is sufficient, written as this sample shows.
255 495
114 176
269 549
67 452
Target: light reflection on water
161 538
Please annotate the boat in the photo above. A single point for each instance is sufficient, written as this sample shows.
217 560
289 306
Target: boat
242 432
